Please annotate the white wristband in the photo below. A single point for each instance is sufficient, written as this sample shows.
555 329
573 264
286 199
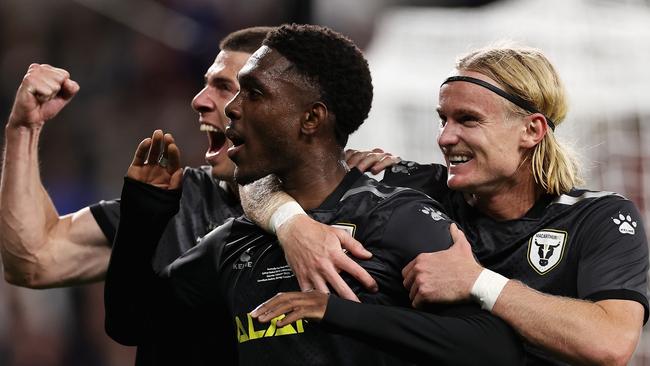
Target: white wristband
487 288
283 213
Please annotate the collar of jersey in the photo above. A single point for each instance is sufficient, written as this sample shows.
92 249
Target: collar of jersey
332 200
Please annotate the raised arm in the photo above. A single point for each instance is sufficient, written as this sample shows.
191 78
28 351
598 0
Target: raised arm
40 248
133 294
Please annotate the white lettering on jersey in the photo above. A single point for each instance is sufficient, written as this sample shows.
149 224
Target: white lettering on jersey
546 249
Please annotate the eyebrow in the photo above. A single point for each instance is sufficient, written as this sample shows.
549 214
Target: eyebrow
249 80
216 79
461 111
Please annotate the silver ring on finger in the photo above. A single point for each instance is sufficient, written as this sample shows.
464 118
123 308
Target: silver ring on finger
163 162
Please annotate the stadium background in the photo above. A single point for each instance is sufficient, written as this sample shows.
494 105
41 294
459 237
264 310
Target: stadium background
140 62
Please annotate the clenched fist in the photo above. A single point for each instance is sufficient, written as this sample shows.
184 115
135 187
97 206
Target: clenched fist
45 90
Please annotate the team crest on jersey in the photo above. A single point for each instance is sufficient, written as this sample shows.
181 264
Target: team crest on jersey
546 250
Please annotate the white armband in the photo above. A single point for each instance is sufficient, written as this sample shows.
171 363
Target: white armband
283 213
487 288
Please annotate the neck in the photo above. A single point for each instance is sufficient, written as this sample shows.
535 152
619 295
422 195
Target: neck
230 187
310 182
507 203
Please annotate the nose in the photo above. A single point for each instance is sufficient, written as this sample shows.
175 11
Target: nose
448 134
202 102
233 108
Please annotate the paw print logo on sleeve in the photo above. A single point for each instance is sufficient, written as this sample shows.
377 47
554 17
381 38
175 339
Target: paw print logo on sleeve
625 224
404 167
434 214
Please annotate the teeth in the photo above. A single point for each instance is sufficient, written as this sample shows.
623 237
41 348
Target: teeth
459 159
208 128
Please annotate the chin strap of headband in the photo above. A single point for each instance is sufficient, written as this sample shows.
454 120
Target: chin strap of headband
520 102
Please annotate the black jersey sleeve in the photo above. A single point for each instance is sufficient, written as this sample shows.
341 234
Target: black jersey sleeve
461 335
141 306
414 227
614 253
430 179
132 288
107 216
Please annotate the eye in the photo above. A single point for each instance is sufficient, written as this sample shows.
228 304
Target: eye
225 87
467 119
255 94
443 119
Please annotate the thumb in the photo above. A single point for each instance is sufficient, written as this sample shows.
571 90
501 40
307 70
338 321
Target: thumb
460 241
352 245
69 89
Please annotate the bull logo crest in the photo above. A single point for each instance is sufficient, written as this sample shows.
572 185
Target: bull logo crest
546 250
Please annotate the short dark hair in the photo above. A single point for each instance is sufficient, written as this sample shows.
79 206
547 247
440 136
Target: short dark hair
335 64
245 40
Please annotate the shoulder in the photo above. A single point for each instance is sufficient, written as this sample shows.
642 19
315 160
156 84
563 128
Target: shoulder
594 204
381 194
428 178
197 175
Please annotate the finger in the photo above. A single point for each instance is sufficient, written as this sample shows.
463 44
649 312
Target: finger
417 301
377 150
406 271
304 283
173 158
355 270
353 246
413 291
155 147
176 179
141 152
386 162
279 304
341 287
455 233
355 158
291 317
349 153
54 83
69 89
319 284
409 278
368 160
62 72
266 305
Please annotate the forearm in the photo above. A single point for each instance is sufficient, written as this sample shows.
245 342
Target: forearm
469 339
26 211
261 199
134 294
576 330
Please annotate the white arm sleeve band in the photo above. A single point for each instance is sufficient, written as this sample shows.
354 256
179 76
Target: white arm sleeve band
487 288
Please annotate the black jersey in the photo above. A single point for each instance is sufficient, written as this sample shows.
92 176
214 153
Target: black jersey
583 244
204 205
238 266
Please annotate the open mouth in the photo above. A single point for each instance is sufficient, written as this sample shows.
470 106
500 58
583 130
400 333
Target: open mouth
216 138
458 159
237 143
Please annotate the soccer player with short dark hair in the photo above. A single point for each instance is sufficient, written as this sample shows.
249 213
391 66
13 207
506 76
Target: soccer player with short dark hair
302 93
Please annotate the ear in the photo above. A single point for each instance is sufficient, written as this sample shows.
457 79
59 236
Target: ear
535 128
314 118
